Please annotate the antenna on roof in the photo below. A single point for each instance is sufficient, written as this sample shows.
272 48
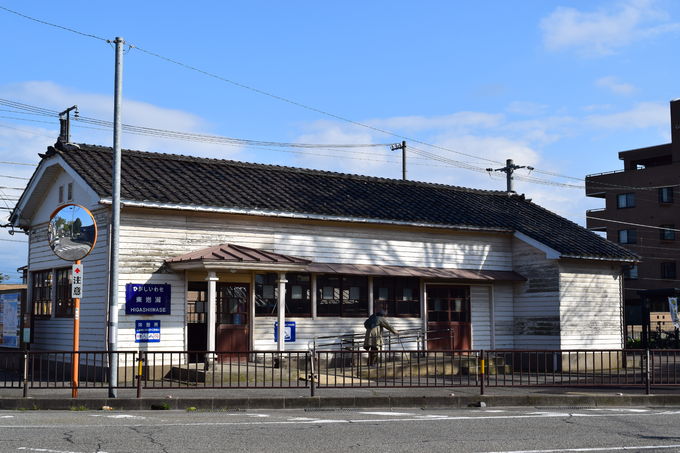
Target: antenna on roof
65 124
509 169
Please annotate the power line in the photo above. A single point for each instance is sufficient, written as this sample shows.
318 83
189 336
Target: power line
13 240
14 177
17 163
633 224
53 25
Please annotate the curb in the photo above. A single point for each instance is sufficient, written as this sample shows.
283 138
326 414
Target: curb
423 402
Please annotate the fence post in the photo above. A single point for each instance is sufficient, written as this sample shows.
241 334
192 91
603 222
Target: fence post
140 370
25 374
648 373
312 375
481 372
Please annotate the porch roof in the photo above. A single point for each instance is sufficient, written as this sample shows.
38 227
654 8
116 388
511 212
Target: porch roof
414 271
232 256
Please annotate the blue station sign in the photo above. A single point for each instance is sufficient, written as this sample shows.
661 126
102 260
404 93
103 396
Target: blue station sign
147 299
147 331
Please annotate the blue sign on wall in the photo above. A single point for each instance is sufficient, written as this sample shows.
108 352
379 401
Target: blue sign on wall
288 332
147 299
147 331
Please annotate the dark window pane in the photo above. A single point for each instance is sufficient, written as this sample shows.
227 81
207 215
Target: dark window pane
298 295
42 293
64 303
266 294
666 195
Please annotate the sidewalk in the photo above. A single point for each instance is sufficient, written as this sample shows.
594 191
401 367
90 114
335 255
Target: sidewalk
347 398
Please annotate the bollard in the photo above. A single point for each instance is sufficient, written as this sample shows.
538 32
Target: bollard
481 372
140 370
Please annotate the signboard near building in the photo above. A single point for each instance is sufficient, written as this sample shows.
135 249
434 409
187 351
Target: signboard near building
10 319
147 331
288 332
147 299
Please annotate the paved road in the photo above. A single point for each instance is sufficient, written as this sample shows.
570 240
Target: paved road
472 430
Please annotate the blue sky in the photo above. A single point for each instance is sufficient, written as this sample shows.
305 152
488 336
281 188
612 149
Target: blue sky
558 85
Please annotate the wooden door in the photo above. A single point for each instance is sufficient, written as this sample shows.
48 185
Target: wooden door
232 317
448 317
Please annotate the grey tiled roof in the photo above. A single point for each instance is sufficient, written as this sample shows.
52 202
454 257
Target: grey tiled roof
185 180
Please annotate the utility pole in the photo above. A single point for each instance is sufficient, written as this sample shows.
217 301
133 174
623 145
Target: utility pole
115 222
402 147
509 169
65 124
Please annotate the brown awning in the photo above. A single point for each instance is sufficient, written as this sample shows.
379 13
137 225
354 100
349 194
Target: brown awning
412 271
231 256
236 256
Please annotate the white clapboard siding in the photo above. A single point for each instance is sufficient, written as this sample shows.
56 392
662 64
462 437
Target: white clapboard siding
57 333
480 306
590 306
307 329
480 316
148 239
503 302
536 301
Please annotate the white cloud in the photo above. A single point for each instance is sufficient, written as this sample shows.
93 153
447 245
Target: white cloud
614 85
604 31
460 121
50 95
527 108
642 115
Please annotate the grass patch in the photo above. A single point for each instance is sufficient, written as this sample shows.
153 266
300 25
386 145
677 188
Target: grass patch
78 408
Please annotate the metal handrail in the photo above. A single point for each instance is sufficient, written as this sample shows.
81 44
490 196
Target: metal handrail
356 341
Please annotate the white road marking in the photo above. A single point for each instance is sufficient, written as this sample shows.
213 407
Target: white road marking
258 415
562 450
387 413
478 418
6 416
618 409
119 416
47 450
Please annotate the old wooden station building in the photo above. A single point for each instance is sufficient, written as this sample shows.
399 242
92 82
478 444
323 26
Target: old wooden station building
211 251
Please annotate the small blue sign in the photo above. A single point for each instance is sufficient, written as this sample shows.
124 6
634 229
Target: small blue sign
147 299
288 332
147 331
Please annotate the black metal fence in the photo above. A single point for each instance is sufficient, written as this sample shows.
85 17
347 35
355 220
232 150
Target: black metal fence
342 369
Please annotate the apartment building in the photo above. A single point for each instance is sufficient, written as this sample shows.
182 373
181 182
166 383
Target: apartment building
642 213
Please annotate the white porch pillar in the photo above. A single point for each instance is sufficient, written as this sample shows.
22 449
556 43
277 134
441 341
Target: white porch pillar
313 296
492 316
280 346
371 308
423 313
212 309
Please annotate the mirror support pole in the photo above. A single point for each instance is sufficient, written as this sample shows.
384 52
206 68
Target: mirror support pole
75 359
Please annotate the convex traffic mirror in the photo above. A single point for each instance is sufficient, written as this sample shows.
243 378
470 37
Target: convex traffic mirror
72 232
